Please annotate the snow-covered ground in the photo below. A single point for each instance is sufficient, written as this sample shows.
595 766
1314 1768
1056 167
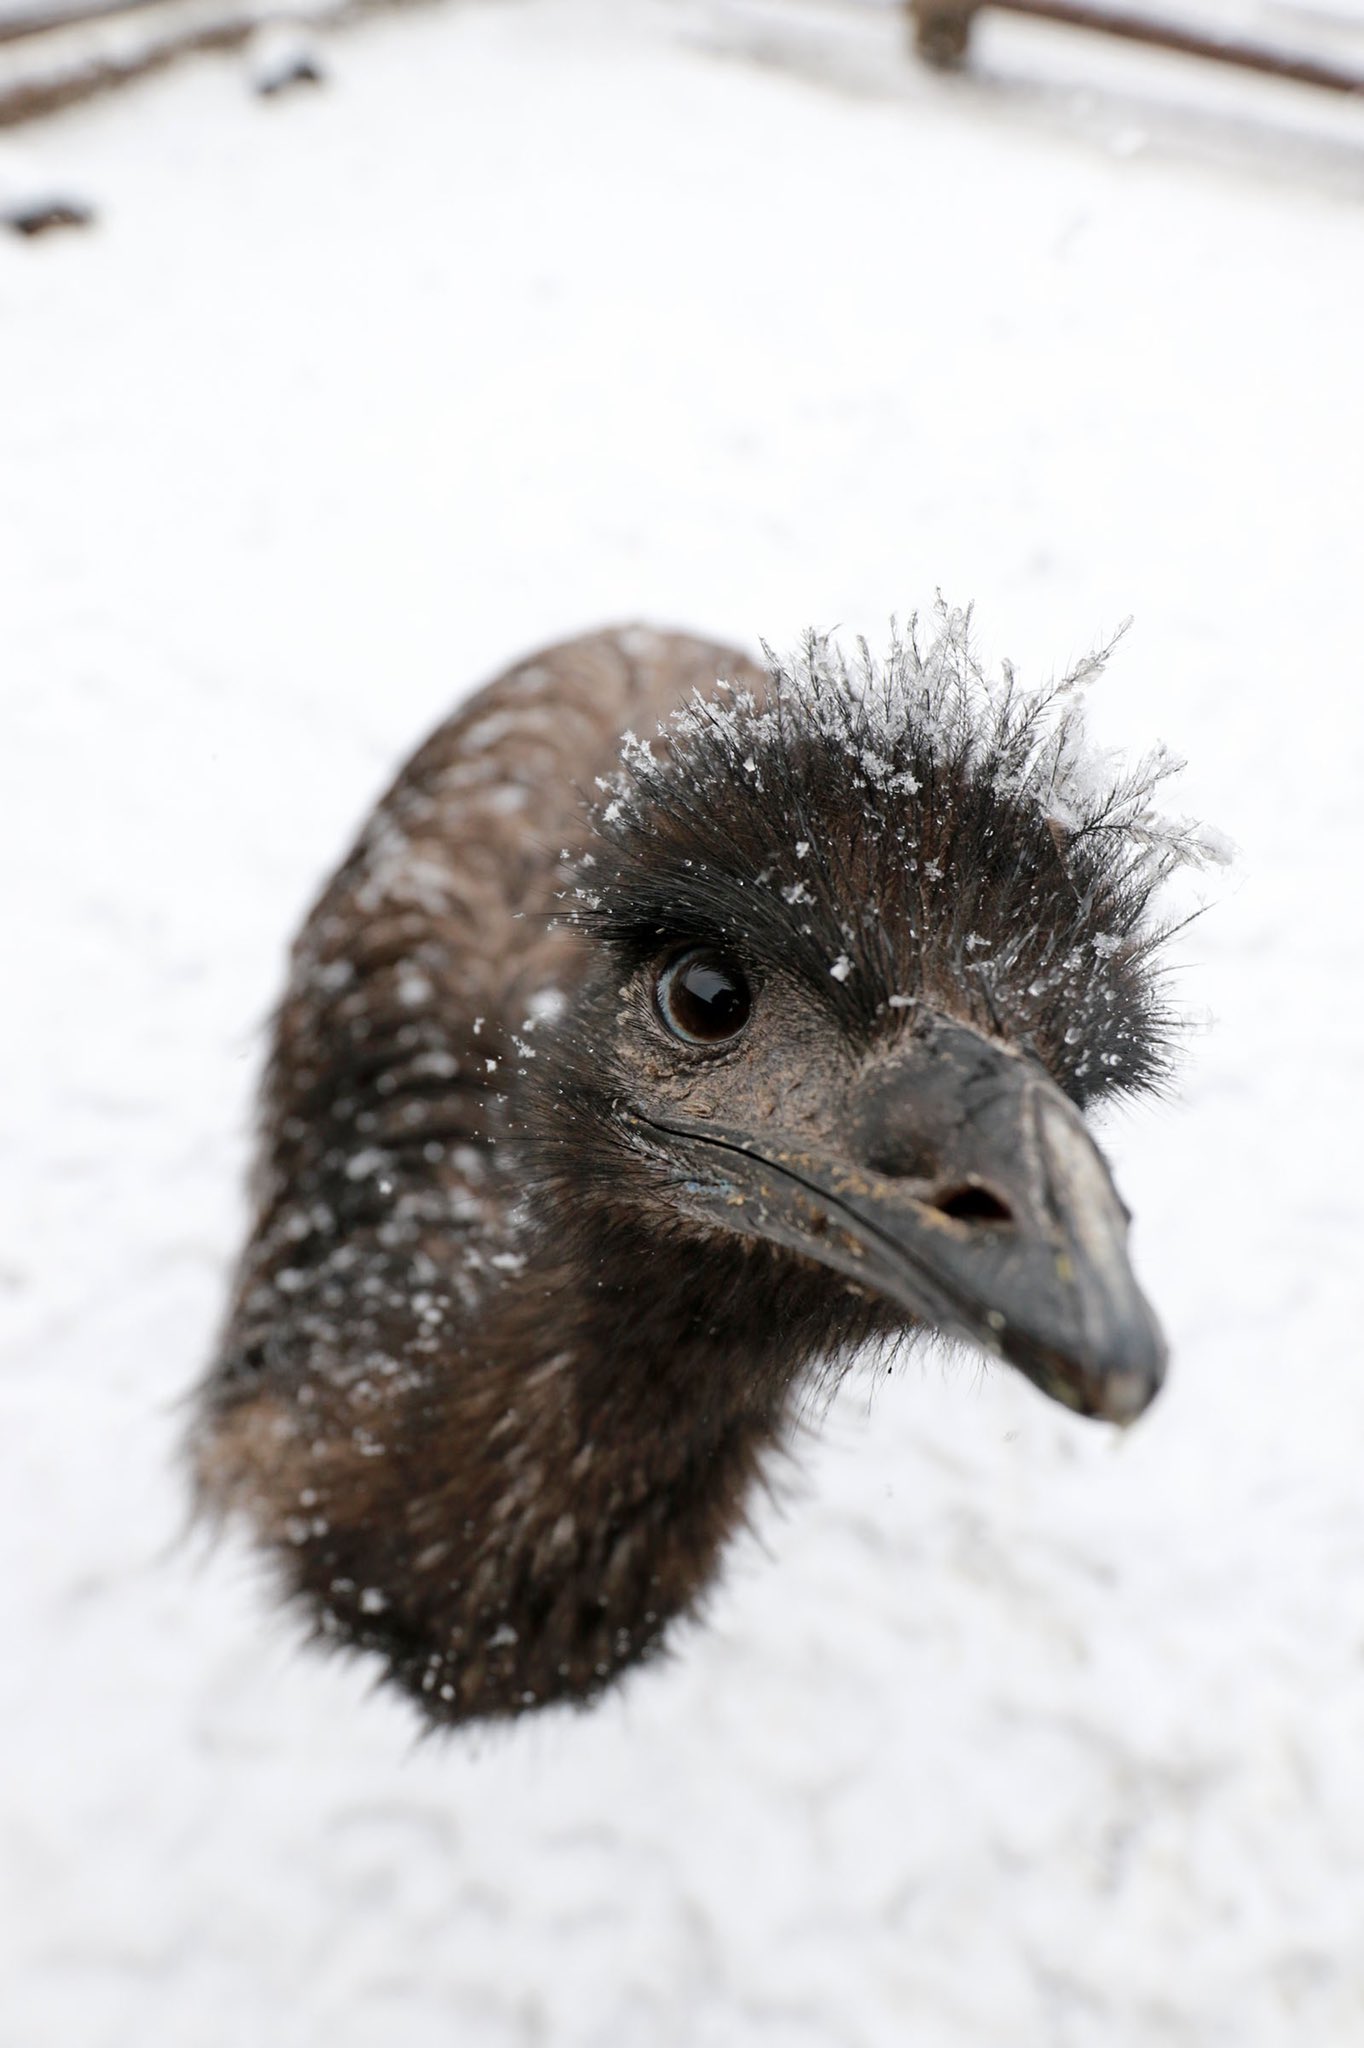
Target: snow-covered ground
546 314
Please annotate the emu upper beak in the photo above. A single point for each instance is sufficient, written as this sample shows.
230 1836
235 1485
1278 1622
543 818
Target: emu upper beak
970 1193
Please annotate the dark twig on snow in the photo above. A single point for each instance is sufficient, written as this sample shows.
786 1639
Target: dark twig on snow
942 33
46 214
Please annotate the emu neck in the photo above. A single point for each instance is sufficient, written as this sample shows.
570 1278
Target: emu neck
511 1513
636 1400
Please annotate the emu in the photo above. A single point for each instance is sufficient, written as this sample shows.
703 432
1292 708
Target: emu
677 1027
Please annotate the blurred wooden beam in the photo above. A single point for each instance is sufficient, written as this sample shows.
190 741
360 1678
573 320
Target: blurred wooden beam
84 47
46 20
77 56
942 36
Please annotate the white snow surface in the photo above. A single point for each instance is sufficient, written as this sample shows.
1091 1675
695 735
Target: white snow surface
1003 1730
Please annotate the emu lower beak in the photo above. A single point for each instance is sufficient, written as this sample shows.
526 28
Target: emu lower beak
970 1194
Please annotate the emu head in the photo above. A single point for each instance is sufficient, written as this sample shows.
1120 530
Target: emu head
862 951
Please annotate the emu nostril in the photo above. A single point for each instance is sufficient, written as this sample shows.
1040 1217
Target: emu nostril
973 1205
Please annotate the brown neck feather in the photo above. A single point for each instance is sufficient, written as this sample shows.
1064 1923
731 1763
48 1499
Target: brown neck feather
512 1516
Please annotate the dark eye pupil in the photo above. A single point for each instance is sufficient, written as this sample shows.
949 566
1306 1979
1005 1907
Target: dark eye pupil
703 997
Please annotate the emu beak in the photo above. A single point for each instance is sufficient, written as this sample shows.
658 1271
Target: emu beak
970 1193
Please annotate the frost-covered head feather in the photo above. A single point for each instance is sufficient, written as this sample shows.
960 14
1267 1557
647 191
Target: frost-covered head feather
910 832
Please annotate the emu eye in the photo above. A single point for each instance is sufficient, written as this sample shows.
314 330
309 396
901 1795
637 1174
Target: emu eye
702 997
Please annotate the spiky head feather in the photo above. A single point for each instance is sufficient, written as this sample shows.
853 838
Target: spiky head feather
903 832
